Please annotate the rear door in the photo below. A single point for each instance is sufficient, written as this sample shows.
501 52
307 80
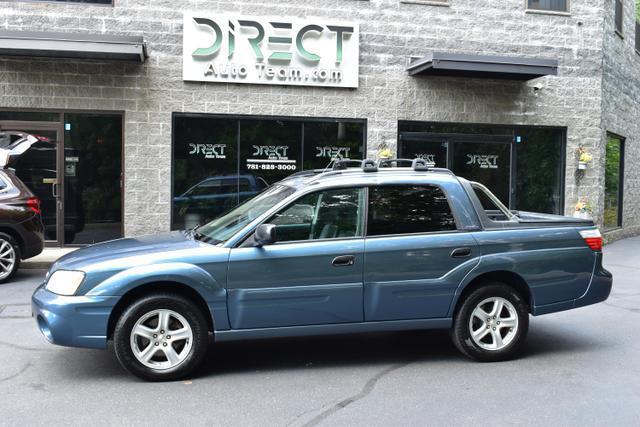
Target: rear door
415 255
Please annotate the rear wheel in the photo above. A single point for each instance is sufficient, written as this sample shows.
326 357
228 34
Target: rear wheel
9 257
161 337
492 323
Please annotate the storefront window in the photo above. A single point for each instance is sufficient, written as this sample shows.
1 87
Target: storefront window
539 170
522 166
613 178
219 162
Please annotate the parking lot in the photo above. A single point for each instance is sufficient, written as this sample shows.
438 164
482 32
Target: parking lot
580 367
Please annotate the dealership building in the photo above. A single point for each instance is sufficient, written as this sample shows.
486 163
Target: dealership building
162 114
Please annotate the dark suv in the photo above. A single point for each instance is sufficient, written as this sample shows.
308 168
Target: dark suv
21 229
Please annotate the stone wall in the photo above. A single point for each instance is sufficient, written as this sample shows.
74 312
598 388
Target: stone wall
392 31
621 109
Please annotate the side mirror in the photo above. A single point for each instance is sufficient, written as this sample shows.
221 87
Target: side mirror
265 234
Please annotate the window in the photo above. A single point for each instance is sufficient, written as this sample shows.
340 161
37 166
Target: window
248 154
323 215
408 209
613 180
552 5
619 16
523 166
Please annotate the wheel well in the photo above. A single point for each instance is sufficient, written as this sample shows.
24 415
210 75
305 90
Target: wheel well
509 278
16 236
142 290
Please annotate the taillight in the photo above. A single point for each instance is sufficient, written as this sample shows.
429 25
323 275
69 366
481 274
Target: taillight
34 204
592 238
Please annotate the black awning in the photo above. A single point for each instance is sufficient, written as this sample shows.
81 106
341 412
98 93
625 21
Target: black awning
482 66
72 45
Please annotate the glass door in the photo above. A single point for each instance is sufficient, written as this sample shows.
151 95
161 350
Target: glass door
482 158
488 163
38 169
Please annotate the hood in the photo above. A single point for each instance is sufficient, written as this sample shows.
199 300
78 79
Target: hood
124 253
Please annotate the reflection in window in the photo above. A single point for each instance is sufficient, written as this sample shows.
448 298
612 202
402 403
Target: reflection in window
404 210
554 5
613 179
322 215
219 162
539 170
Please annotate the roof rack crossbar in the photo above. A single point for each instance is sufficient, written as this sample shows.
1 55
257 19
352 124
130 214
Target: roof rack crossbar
342 164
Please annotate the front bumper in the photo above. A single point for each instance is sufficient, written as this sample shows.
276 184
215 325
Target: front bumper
74 321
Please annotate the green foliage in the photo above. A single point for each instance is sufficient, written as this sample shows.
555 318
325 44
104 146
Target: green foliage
638 10
612 181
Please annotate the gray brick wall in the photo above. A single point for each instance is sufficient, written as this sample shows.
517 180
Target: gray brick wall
621 109
391 32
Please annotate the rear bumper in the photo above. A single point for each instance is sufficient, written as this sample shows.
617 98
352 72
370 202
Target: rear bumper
76 321
32 233
598 290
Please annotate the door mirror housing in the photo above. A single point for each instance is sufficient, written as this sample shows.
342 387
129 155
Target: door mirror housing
265 234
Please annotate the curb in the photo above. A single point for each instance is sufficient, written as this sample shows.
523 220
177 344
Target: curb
36 265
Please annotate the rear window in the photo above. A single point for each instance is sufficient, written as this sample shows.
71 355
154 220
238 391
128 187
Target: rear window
408 209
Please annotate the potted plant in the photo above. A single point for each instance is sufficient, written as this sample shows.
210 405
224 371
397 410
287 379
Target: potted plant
385 153
584 158
583 209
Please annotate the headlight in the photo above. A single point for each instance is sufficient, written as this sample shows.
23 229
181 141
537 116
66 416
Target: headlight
65 282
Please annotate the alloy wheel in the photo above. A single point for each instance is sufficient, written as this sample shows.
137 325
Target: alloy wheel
493 323
7 258
161 339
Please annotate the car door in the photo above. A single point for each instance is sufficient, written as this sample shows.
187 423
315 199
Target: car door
312 274
415 256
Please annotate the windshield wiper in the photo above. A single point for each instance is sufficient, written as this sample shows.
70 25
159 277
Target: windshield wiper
193 232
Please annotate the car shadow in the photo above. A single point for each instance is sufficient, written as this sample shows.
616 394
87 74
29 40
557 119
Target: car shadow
329 351
282 354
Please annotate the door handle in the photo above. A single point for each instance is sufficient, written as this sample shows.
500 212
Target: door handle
460 252
343 261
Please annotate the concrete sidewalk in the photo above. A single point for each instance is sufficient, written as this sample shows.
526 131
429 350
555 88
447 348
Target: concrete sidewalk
46 258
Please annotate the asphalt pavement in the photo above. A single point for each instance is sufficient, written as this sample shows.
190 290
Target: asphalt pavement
580 367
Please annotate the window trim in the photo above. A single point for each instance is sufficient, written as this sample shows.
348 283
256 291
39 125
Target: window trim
619 31
566 12
418 233
619 223
66 2
437 3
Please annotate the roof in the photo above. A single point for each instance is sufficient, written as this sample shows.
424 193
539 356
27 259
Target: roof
482 66
356 176
72 45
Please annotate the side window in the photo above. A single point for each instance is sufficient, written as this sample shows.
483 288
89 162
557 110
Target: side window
323 215
408 209
3 184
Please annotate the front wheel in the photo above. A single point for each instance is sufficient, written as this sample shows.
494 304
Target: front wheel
492 323
161 337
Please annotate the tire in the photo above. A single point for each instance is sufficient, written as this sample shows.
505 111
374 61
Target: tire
9 257
174 357
497 338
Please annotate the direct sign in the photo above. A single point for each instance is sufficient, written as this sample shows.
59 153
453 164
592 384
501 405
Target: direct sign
278 51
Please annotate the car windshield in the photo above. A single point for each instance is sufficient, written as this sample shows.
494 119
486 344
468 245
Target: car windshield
222 228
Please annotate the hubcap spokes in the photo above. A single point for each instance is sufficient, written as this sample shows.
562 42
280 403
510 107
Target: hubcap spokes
7 258
493 323
161 339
